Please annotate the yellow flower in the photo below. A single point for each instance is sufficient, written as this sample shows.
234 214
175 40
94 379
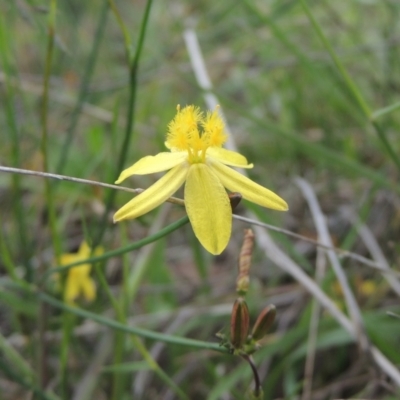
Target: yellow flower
196 156
78 279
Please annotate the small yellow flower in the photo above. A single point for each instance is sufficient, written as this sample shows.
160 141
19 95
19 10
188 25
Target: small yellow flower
368 287
196 156
78 279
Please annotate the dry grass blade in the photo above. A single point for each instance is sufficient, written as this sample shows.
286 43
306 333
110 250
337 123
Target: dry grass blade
341 253
288 265
375 251
142 378
86 388
325 238
313 332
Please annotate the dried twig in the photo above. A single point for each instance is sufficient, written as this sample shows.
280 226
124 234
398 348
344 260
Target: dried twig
180 202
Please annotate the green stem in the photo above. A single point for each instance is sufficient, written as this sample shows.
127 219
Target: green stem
135 277
257 381
132 280
133 246
10 354
44 114
67 326
126 267
5 255
133 72
119 380
11 114
103 283
123 28
16 377
346 77
42 315
386 144
145 333
156 368
87 75
280 34
351 85
119 342
42 348
385 110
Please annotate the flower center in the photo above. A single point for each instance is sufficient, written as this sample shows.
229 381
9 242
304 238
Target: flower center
194 132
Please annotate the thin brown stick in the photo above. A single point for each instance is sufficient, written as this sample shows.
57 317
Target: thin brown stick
342 253
175 200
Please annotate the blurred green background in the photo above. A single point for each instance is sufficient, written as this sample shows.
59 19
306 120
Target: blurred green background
89 87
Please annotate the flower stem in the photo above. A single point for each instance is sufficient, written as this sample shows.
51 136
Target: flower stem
133 72
257 382
42 315
15 139
162 337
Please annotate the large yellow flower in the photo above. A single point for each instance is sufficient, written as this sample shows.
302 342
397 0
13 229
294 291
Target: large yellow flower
78 279
196 156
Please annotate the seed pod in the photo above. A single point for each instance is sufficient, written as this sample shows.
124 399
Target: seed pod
264 322
242 281
240 321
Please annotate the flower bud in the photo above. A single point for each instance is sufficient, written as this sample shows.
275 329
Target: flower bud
243 280
264 322
240 321
234 199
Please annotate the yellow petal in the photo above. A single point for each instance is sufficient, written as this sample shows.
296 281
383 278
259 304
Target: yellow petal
81 271
228 157
88 288
98 251
68 258
71 291
250 190
154 195
151 164
208 207
84 250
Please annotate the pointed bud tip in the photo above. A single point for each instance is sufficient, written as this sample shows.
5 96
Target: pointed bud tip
264 322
